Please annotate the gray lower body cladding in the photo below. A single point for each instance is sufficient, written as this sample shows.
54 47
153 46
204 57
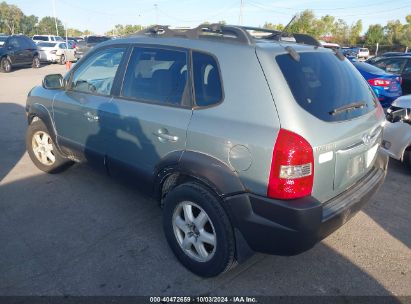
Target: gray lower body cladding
291 227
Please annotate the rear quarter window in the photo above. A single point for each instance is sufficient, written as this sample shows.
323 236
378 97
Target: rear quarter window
321 83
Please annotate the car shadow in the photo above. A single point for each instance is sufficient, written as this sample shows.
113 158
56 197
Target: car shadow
12 145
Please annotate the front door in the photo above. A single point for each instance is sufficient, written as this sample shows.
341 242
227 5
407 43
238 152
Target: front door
78 111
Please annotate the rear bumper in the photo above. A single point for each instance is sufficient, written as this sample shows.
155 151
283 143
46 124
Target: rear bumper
291 227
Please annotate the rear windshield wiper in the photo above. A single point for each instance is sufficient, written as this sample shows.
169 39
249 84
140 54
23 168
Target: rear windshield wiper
350 106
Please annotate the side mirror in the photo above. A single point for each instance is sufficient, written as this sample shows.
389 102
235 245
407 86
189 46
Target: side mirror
53 82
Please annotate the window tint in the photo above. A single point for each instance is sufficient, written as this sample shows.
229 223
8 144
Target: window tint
321 83
96 75
46 44
392 65
41 38
368 68
207 83
27 43
14 42
407 68
156 75
94 39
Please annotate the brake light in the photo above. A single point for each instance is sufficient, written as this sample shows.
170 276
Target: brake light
292 167
379 82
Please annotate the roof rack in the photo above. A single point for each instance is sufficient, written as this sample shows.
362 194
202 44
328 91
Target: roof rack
240 34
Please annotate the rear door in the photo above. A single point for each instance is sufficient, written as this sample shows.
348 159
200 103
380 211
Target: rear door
330 104
150 117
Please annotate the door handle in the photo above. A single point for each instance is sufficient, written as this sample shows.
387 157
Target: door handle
91 117
163 136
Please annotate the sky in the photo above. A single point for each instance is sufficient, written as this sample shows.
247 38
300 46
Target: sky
99 16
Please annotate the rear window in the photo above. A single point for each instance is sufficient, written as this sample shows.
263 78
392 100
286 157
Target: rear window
41 38
97 39
368 68
46 44
322 83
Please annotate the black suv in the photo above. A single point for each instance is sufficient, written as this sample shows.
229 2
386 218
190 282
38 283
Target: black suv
18 50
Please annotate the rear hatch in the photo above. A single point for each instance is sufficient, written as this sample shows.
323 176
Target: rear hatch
326 100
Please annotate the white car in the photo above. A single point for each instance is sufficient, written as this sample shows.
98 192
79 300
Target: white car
56 52
46 38
363 53
397 130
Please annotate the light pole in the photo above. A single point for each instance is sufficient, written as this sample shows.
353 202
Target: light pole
55 18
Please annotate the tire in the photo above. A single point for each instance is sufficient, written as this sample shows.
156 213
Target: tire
42 150
215 259
5 65
62 59
407 157
36 62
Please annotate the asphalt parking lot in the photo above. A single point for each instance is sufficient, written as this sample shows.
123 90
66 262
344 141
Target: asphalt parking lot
82 233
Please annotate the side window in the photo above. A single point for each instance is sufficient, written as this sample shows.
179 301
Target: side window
207 82
14 43
407 68
156 75
96 74
391 65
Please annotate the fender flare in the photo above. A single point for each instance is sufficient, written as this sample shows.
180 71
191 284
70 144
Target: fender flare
40 111
210 171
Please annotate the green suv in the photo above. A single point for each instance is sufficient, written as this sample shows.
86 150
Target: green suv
249 142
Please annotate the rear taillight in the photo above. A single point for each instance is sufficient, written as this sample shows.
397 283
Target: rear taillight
53 52
292 167
379 82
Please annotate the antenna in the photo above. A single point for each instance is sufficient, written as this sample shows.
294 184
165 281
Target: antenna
287 26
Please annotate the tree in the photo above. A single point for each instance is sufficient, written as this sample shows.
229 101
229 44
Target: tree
47 26
375 34
393 32
341 32
10 17
355 32
270 26
406 34
28 24
72 32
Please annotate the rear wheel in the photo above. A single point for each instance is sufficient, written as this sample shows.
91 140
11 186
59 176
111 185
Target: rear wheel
42 150
407 156
5 65
198 230
36 62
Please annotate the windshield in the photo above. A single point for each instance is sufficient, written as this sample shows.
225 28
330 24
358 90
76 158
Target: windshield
368 68
321 83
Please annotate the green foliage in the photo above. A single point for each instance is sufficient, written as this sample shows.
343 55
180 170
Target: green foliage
375 34
28 25
10 18
47 26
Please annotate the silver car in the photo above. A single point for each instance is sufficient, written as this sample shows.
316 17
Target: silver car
397 130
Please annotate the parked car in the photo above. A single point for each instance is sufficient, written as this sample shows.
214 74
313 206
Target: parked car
3 40
400 65
397 131
270 150
56 52
46 38
363 53
18 50
386 86
390 54
88 43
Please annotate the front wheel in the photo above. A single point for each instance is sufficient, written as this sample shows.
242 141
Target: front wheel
198 230
42 150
